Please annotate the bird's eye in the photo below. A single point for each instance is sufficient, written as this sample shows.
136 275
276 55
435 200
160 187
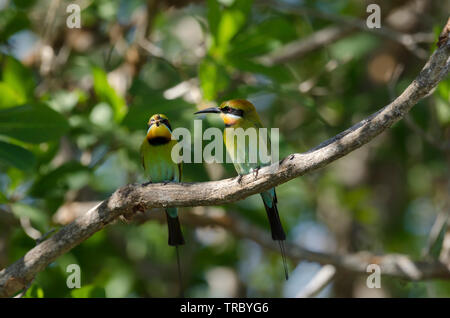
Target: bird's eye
226 109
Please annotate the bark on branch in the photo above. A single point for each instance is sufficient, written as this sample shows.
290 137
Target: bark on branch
126 199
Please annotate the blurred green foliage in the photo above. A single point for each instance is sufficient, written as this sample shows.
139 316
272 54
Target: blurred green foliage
69 135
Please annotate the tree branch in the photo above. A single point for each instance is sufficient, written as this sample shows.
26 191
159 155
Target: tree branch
126 199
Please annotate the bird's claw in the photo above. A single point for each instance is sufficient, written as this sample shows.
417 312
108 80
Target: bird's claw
239 180
139 208
255 172
146 183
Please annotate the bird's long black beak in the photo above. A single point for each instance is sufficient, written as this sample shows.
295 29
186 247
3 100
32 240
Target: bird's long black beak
214 110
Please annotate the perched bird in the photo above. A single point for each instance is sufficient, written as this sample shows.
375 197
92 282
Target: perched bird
156 158
240 113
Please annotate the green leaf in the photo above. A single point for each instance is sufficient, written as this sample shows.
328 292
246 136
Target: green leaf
231 22
88 291
9 97
213 16
55 178
16 156
3 198
18 77
443 102
213 78
353 47
225 24
12 21
443 90
443 111
34 292
65 101
33 123
107 94
24 4
263 37
38 217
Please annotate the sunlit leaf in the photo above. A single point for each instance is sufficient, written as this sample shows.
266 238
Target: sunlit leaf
227 24
88 291
64 101
213 78
443 90
18 77
107 94
34 292
9 97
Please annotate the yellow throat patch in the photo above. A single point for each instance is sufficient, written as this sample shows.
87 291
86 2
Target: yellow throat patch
229 119
159 130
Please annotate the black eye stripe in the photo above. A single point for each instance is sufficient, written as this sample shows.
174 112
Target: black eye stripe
166 122
163 121
233 111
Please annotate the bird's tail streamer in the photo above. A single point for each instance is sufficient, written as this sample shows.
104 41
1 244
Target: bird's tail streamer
180 280
175 239
283 256
270 203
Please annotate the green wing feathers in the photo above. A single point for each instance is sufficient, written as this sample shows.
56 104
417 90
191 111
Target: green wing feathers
158 163
159 167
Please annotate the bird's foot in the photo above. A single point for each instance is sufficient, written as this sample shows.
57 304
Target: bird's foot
146 183
290 157
129 216
239 180
44 236
255 172
139 208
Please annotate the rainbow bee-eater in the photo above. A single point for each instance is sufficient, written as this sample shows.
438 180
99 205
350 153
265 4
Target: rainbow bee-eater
156 156
240 113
